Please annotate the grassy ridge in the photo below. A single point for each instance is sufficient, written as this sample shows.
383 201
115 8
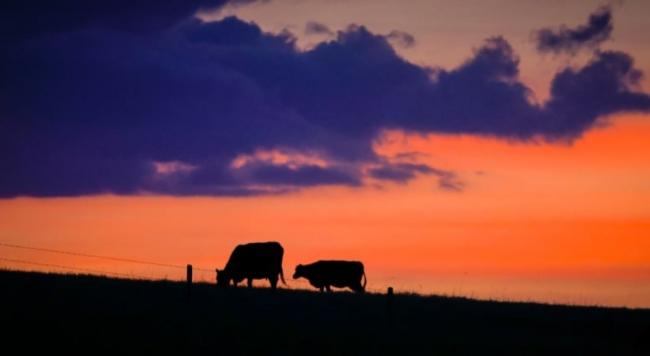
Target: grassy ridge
68 312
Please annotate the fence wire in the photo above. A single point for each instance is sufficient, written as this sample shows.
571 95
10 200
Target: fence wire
110 258
87 270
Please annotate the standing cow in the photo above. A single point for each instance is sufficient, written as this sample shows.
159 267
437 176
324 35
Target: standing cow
253 261
341 274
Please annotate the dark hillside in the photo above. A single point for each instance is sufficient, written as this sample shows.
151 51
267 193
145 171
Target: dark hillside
99 315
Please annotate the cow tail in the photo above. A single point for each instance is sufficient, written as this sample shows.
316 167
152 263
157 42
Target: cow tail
282 277
364 280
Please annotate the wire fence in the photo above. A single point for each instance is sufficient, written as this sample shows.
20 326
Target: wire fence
180 271
103 273
80 269
41 264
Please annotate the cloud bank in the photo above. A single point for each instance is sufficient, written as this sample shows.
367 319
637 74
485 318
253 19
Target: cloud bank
171 105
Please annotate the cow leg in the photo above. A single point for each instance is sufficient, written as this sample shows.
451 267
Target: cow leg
322 289
358 288
250 283
274 281
234 283
329 289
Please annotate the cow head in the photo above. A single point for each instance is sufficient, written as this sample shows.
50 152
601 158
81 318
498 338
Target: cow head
223 279
300 272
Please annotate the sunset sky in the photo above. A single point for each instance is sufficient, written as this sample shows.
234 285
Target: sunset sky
491 149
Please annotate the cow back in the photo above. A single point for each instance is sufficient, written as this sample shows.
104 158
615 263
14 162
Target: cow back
255 260
336 273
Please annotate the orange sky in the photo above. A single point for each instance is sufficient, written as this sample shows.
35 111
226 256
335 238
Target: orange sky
550 222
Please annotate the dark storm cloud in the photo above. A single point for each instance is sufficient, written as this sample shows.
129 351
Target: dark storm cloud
93 108
232 32
20 18
317 28
604 86
597 30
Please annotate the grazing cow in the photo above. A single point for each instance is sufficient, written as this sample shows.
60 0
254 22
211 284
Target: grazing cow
341 274
253 261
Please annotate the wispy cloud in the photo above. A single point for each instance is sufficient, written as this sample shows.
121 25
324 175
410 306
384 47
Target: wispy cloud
317 28
570 40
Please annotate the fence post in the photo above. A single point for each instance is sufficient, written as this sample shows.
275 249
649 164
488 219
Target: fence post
189 279
389 306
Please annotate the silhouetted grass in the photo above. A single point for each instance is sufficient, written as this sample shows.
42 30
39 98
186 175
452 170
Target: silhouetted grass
99 315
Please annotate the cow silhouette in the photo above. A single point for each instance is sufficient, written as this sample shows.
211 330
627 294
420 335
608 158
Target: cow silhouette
325 274
259 260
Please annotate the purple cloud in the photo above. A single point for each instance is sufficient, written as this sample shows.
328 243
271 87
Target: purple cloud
98 106
597 30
